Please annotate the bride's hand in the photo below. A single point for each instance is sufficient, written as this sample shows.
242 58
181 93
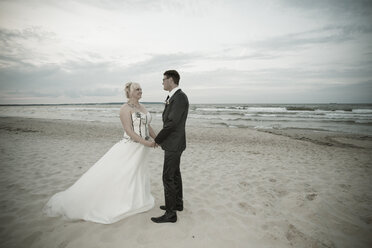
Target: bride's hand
150 143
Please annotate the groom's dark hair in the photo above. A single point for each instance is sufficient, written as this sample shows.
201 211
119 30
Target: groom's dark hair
174 75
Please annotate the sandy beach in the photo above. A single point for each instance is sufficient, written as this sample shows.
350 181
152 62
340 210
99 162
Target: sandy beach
242 188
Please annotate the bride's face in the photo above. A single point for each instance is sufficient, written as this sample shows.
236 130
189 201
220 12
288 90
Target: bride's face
136 91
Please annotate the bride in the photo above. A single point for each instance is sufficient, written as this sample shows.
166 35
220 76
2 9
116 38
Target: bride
118 184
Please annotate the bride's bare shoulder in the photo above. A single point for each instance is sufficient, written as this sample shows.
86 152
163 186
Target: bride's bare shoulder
125 108
143 108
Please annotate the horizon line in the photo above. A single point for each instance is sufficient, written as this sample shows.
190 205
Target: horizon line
107 103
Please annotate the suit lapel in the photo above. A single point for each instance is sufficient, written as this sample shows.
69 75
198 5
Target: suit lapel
165 108
170 100
175 93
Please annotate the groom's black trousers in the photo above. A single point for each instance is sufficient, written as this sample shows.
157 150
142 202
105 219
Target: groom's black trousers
172 180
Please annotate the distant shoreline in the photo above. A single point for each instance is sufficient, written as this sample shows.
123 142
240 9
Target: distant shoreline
118 103
59 104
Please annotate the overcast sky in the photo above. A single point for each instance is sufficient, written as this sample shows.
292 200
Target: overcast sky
226 51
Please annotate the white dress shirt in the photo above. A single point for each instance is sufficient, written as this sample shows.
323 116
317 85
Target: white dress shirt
171 93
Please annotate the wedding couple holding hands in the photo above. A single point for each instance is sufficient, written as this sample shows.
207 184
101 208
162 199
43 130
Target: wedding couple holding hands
118 184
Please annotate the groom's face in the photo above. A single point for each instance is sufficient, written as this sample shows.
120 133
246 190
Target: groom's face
167 84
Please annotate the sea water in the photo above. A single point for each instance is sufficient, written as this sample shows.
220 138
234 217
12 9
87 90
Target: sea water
348 118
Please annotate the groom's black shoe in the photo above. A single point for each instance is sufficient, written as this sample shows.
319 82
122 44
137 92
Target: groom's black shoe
178 208
167 217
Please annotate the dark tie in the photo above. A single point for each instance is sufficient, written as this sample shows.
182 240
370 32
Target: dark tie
166 100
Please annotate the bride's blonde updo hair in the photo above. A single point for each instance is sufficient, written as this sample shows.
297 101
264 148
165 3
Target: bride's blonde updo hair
127 89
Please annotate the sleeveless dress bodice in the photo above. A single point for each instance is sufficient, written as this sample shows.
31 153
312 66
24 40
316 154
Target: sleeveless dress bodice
140 124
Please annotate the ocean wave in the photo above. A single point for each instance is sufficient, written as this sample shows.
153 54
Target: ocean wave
215 117
294 108
89 109
266 109
218 109
263 127
362 111
232 107
244 109
205 117
364 122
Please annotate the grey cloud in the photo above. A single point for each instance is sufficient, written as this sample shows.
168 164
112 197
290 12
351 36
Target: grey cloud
350 93
117 4
31 93
224 56
52 80
33 32
341 72
72 93
337 7
76 93
28 76
279 86
268 48
225 84
40 93
164 62
8 60
192 7
81 64
101 92
308 77
358 92
81 77
85 75
329 34
13 51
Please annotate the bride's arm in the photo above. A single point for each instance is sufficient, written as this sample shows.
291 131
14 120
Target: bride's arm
126 121
152 133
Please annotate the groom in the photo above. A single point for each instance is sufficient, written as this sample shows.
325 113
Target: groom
172 139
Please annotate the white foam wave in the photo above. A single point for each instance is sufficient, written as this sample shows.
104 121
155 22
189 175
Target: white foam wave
362 111
263 127
219 110
266 109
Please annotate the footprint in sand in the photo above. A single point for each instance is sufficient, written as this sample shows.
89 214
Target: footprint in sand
295 236
367 220
243 185
280 192
63 244
246 207
311 196
299 239
345 186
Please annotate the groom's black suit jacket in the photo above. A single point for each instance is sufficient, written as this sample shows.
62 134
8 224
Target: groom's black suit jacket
172 137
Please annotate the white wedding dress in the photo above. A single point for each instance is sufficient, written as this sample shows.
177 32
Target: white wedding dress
115 187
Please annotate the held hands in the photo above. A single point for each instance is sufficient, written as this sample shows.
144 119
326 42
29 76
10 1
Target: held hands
151 144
